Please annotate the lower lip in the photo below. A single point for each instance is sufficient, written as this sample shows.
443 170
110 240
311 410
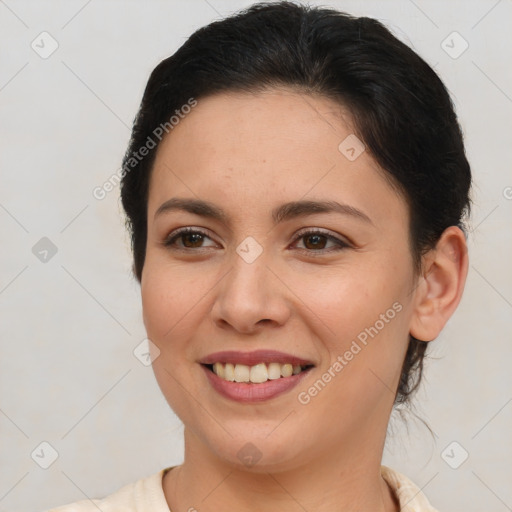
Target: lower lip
251 392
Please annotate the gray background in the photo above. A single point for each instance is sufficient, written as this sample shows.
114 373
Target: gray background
70 324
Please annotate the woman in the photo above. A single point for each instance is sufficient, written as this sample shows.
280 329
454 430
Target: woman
295 187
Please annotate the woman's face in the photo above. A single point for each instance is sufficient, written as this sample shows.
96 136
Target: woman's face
250 282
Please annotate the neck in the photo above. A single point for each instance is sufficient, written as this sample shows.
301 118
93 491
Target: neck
344 480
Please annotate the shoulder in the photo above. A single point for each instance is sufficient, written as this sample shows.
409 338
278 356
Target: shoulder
409 495
143 494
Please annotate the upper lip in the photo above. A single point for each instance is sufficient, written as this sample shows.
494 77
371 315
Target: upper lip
253 358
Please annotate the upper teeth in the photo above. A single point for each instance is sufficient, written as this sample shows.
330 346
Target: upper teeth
257 373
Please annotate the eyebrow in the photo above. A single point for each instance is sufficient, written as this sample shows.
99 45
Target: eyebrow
280 214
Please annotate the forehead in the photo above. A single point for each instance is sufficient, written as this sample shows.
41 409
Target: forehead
284 113
265 147
273 123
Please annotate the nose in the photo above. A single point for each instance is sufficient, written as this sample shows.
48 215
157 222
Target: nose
250 296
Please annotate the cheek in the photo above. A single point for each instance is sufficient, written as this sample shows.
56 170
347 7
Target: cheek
172 298
349 300
363 321
155 302
161 303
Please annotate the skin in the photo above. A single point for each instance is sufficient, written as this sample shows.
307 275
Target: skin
249 153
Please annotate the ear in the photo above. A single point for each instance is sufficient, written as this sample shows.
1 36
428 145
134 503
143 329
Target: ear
439 290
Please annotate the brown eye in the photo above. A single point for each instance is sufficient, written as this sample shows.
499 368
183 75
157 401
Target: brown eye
194 238
315 241
191 239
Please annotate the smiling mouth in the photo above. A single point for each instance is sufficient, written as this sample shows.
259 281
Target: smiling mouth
257 374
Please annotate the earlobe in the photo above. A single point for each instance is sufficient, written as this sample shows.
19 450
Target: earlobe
440 290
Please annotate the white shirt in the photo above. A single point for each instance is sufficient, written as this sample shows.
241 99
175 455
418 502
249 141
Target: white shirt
147 495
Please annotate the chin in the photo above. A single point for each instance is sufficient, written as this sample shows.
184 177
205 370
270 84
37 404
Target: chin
258 453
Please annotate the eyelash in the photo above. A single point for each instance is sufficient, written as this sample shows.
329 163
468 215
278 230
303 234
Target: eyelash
170 240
